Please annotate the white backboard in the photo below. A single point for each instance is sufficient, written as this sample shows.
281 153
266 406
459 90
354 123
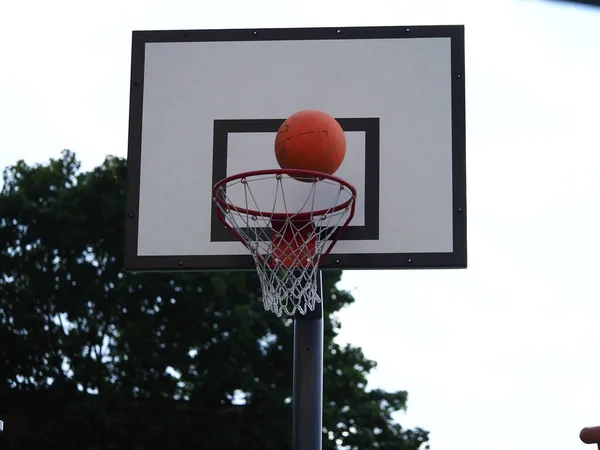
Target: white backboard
207 104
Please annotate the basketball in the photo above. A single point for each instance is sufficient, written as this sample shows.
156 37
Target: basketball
310 140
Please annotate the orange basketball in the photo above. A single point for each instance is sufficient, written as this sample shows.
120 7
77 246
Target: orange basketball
310 140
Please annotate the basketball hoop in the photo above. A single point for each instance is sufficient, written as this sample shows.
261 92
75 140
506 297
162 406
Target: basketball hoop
290 220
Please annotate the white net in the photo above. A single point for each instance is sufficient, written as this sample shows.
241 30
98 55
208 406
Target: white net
289 226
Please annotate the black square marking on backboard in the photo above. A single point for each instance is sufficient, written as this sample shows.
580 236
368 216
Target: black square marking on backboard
368 125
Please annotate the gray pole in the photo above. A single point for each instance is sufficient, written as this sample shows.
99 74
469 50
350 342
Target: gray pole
307 416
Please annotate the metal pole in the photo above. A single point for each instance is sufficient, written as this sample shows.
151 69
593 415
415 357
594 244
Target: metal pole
307 416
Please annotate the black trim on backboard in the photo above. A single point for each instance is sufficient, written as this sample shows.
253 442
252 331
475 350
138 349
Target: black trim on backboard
459 145
134 153
456 259
295 34
368 125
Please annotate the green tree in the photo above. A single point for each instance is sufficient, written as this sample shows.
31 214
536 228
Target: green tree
91 357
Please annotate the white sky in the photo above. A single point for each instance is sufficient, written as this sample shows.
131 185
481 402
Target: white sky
504 355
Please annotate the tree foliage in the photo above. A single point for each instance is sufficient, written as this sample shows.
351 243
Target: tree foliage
92 357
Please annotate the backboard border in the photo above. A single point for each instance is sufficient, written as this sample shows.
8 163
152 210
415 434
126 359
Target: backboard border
455 259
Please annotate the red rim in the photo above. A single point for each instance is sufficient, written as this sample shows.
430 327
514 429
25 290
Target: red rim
291 172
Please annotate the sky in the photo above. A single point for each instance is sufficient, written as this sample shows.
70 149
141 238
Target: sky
501 356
